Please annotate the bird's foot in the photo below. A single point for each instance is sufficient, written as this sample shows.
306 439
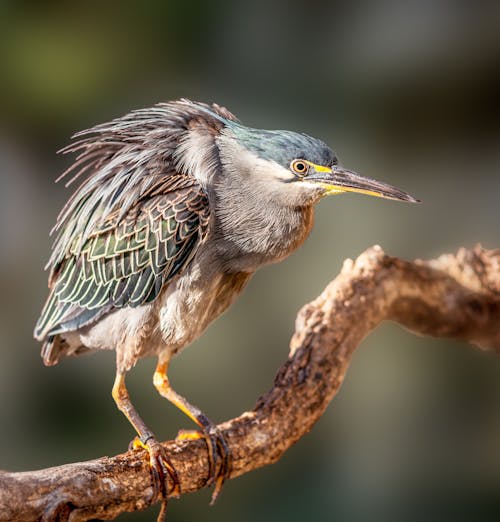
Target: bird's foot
162 470
218 451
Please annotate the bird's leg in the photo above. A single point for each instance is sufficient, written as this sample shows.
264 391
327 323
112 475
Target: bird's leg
160 464
214 439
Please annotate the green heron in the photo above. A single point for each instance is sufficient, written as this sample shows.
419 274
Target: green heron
179 205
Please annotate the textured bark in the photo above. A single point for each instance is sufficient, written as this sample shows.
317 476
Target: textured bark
456 296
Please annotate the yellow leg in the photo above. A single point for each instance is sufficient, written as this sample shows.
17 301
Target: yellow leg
214 439
160 464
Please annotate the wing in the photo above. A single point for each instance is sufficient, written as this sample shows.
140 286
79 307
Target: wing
137 217
126 260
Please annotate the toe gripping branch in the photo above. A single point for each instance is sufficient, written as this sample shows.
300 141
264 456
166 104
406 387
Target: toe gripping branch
219 454
162 469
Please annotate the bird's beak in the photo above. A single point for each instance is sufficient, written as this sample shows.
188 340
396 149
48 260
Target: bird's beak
338 179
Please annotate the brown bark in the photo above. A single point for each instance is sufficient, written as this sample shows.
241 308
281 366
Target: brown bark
455 296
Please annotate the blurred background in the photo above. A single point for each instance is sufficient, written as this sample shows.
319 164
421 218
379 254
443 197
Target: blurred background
407 92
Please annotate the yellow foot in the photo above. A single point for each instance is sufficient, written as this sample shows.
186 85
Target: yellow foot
162 469
217 450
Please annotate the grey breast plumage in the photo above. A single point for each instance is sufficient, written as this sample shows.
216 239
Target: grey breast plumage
134 222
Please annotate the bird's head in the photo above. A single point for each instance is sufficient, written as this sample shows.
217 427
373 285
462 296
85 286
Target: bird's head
295 166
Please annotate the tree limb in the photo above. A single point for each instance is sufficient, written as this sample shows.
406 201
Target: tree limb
455 296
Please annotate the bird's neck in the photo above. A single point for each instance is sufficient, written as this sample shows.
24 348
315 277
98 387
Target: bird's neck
253 226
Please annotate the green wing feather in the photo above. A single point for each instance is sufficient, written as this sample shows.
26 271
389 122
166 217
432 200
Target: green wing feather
125 261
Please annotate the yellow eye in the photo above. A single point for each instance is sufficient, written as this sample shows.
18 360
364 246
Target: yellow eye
300 167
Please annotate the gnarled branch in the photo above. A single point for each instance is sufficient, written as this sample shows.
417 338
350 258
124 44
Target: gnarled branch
455 296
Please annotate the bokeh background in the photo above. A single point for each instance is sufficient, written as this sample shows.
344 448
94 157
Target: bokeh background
404 91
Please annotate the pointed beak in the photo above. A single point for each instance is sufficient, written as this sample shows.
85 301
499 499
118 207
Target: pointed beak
338 179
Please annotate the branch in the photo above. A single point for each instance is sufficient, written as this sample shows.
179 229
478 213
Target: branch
456 296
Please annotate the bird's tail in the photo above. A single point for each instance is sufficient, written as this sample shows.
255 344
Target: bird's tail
51 350
56 347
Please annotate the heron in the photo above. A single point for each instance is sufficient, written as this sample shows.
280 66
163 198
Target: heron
177 207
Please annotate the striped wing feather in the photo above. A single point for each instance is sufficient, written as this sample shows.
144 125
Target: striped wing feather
126 260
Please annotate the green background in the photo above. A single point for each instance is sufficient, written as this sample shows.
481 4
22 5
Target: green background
403 91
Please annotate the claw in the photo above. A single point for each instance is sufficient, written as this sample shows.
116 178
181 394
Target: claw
218 450
226 464
161 470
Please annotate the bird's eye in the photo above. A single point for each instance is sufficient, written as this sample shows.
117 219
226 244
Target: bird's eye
300 167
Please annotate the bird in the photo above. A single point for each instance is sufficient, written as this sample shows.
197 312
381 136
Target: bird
178 205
